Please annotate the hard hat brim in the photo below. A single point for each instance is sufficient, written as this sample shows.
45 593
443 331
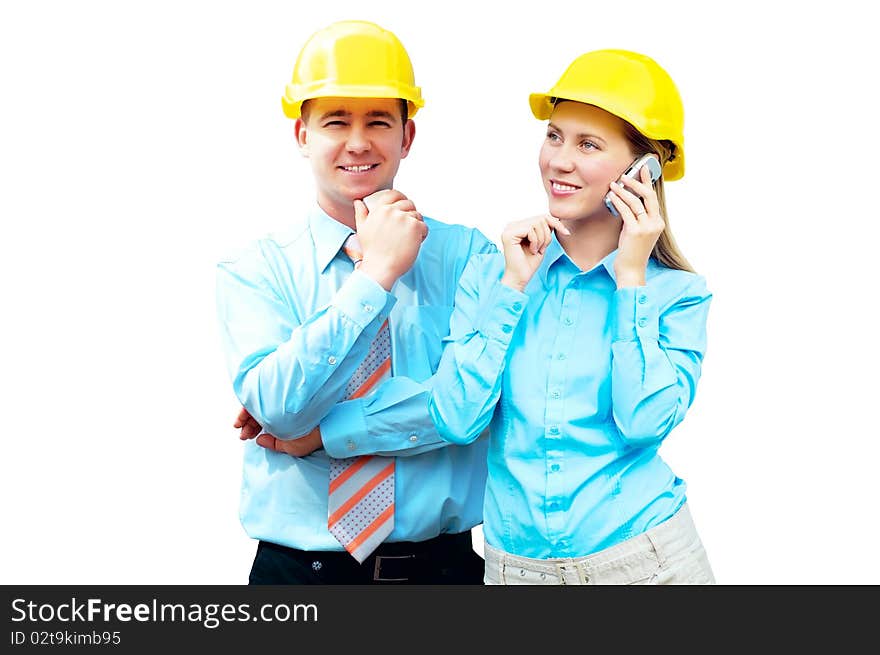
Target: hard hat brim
293 108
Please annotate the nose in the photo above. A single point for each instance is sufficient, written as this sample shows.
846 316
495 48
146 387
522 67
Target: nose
357 140
562 159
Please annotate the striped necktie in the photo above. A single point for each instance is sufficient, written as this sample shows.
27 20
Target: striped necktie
361 494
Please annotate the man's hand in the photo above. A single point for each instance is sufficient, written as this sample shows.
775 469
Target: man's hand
390 231
299 447
248 424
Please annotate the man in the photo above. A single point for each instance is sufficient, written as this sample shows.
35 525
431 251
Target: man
305 316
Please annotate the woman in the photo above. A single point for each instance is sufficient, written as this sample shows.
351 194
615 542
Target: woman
580 347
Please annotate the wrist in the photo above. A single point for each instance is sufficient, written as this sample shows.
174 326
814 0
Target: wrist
513 282
629 279
383 275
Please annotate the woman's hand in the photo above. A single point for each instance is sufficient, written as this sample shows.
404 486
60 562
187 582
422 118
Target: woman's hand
642 226
524 243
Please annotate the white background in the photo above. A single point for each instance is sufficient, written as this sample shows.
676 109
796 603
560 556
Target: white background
139 141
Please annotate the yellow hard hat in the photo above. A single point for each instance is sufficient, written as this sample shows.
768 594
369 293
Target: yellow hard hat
629 85
352 59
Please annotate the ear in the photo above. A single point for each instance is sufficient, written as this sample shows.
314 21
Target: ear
409 133
301 132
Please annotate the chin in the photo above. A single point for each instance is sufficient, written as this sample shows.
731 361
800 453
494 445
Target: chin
565 212
568 211
361 191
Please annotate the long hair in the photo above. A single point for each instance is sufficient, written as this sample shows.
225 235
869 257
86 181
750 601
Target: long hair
665 250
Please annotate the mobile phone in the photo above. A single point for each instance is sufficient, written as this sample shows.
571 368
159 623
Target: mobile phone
653 165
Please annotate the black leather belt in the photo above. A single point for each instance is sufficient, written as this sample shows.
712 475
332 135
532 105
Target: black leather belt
393 568
404 560
396 562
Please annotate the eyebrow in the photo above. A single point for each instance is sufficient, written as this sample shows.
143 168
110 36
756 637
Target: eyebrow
342 113
582 135
380 114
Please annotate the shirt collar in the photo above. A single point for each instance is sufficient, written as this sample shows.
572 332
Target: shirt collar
555 251
328 235
608 262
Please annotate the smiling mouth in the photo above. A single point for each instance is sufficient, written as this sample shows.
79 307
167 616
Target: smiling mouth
360 168
562 187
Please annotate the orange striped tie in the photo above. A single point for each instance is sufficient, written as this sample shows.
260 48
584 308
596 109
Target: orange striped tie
361 497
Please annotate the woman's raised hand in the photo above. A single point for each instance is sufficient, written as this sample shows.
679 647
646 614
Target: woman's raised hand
639 208
524 243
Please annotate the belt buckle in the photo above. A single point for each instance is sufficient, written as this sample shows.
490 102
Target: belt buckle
377 568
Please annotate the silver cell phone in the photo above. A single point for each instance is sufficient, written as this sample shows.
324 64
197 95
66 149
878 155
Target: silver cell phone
653 165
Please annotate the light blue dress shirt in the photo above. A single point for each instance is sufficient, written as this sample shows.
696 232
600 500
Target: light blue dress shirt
295 322
580 383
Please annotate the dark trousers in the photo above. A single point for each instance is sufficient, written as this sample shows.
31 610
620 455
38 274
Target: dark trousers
447 559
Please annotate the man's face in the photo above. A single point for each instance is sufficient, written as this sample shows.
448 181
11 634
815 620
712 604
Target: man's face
355 146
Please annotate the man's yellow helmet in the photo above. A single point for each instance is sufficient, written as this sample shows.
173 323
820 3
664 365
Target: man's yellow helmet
352 59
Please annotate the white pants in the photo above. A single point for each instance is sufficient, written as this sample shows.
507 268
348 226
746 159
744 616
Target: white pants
669 553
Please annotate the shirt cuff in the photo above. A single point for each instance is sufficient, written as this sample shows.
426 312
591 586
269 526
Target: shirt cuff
341 427
636 316
363 300
502 310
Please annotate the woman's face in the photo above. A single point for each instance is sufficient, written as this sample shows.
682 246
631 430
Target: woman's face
585 150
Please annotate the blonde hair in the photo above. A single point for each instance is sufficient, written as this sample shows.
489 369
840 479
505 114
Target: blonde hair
665 250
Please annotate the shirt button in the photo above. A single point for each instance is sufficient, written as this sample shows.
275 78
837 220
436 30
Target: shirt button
350 444
506 328
560 356
643 322
643 299
555 395
413 438
553 506
554 468
331 360
517 306
568 320
554 429
368 308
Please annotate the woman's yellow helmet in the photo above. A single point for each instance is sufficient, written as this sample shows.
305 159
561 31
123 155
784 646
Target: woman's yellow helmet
629 85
